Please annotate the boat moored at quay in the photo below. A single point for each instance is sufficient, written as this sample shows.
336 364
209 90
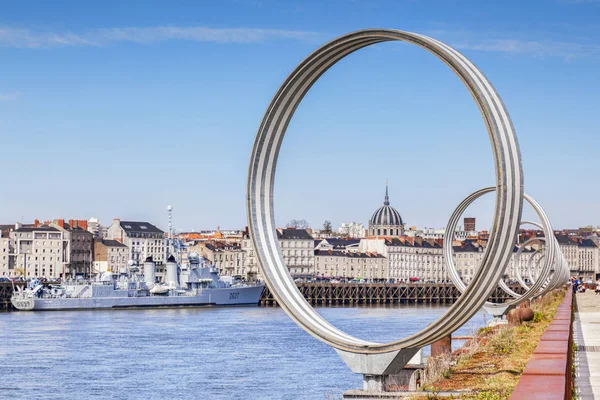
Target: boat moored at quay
194 284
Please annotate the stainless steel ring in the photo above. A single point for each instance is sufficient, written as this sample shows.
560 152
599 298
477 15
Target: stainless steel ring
449 261
261 178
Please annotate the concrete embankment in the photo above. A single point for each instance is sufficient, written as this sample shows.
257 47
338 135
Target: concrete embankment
548 373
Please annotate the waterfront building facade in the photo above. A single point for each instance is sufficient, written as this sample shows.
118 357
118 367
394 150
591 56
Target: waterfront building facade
227 257
79 246
6 259
39 252
467 259
582 254
409 258
110 255
588 260
569 248
252 268
348 265
297 246
143 240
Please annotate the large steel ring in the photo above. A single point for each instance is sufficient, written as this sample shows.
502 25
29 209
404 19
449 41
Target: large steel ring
261 179
449 261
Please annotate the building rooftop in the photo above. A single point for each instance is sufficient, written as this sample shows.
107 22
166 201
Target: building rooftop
139 227
291 234
222 246
43 228
587 243
341 243
349 254
112 243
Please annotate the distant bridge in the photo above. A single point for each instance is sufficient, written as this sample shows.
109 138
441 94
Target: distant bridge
324 293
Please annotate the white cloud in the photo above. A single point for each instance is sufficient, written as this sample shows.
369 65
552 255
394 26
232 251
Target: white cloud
27 38
563 48
538 48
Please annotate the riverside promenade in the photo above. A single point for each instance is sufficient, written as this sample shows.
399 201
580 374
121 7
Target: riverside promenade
586 337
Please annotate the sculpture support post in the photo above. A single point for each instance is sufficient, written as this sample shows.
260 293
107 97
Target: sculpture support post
375 368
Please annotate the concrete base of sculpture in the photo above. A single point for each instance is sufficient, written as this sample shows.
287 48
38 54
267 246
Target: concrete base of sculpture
376 368
410 378
498 310
406 382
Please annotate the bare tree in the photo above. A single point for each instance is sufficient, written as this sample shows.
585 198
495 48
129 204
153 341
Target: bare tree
298 224
327 226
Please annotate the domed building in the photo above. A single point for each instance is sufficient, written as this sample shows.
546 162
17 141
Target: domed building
386 221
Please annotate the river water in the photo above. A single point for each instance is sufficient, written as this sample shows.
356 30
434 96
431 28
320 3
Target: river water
202 353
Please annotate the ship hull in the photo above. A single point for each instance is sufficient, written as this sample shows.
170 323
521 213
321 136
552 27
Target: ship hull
234 296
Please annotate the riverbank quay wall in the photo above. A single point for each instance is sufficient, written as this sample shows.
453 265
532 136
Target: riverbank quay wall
380 293
548 373
345 293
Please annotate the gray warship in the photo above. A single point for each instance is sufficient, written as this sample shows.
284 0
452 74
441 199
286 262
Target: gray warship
194 284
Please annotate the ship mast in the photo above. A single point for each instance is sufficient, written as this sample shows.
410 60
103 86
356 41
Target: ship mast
170 235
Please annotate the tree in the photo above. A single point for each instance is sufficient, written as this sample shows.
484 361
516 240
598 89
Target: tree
327 226
298 224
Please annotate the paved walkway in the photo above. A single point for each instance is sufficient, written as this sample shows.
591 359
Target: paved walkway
586 335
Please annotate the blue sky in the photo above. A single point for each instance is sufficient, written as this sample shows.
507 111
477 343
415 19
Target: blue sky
116 110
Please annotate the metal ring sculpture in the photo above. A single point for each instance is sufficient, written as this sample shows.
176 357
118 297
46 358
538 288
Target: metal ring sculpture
517 261
557 277
553 278
530 260
519 276
261 179
449 261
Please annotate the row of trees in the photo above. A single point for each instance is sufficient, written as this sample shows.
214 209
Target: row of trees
303 224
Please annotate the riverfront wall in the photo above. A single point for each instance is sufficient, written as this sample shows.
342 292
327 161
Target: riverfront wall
548 374
379 293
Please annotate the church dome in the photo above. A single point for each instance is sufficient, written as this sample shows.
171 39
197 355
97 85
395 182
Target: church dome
386 216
